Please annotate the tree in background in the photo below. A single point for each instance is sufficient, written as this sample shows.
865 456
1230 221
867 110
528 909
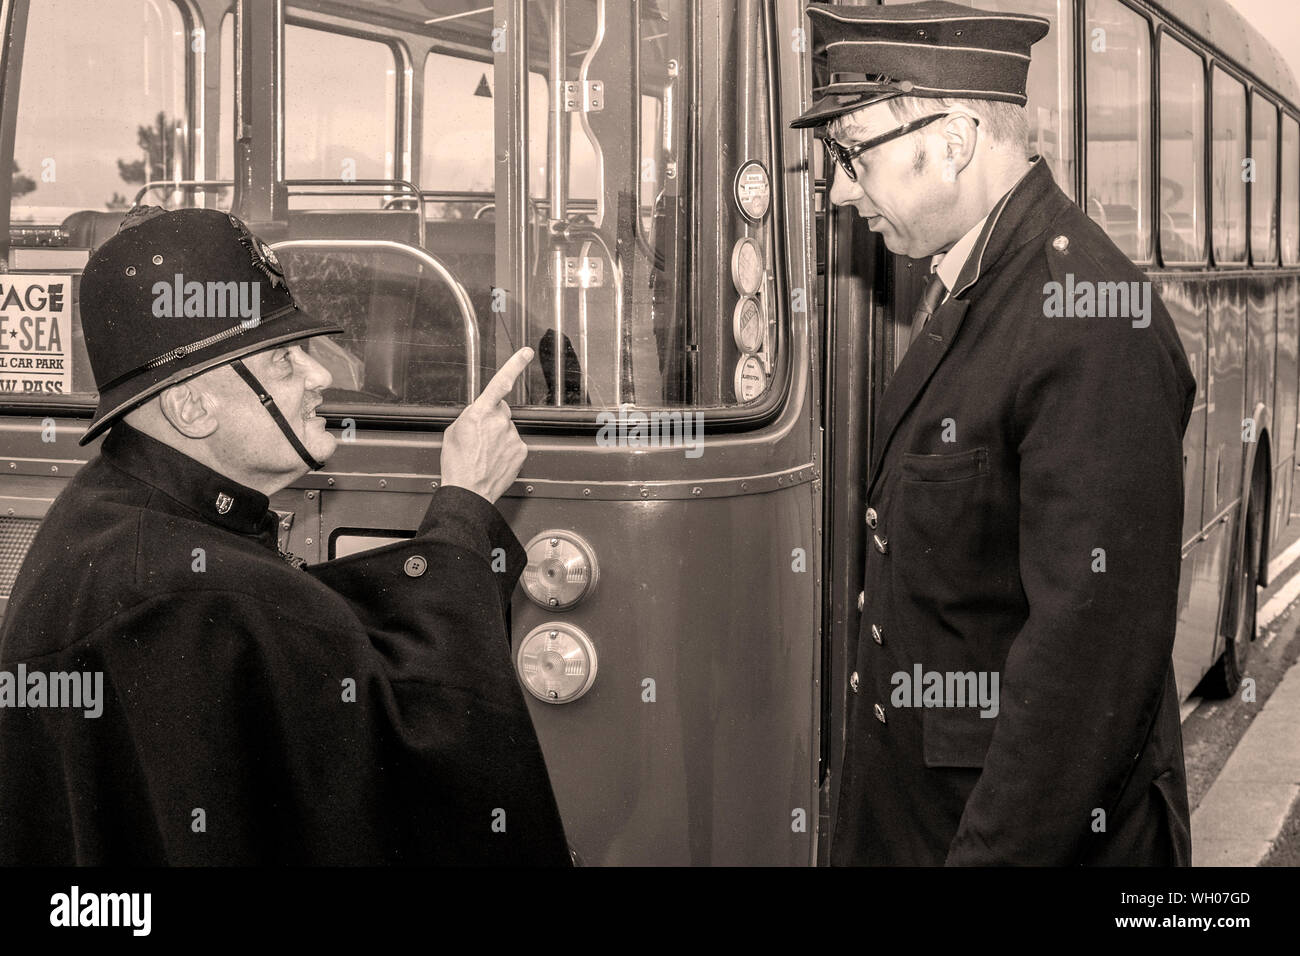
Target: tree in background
22 185
155 141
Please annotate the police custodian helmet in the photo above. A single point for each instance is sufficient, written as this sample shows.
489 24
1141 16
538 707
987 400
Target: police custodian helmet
160 303
932 49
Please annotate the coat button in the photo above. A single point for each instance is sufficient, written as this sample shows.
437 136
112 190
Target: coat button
872 517
876 634
853 682
880 713
882 544
862 600
1061 243
415 566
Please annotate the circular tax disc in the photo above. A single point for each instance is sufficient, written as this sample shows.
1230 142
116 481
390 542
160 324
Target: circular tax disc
747 324
751 379
747 266
753 190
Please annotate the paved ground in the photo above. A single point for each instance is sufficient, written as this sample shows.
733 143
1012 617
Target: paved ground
1243 756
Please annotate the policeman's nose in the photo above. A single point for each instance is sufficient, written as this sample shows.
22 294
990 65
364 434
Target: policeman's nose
316 376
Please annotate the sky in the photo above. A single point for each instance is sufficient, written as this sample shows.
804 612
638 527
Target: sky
1279 21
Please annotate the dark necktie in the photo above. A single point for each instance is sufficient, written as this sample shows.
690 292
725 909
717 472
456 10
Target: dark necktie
930 299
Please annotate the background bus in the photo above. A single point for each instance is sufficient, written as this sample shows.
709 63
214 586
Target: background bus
612 182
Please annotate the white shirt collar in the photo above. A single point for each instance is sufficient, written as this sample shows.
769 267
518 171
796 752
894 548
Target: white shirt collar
949 264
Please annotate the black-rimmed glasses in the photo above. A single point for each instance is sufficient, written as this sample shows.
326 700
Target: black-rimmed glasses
844 155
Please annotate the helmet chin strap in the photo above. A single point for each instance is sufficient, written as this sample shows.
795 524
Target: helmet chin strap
277 416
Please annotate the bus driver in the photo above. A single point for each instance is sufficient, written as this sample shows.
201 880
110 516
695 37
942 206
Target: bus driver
1025 483
363 710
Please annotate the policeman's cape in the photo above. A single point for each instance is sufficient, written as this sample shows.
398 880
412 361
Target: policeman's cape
361 711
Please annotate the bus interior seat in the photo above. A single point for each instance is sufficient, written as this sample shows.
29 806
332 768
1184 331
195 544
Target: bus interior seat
405 328
398 225
90 228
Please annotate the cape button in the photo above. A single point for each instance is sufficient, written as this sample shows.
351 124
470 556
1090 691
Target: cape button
853 681
415 566
1061 243
882 544
872 518
862 600
879 712
877 634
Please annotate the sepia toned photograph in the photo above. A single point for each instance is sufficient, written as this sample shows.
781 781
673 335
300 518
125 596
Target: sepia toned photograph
645 434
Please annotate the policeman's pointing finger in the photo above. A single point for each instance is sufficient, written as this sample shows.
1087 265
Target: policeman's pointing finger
504 380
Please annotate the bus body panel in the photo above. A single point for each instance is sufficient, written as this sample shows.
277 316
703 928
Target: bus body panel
1227 397
1286 394
1185 302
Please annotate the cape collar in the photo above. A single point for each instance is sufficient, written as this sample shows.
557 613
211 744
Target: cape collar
214 497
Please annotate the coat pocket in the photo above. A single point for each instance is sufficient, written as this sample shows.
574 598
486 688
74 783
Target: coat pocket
956 467
955 736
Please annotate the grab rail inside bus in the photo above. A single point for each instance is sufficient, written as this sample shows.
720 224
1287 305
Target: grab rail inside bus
424 258
360 187
190 184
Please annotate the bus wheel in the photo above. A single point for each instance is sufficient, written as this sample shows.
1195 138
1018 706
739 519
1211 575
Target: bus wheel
1225 677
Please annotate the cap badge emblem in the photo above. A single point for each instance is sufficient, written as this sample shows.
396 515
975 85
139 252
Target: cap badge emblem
261 255
224 502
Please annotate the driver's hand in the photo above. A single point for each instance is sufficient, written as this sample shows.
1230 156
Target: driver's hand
481 451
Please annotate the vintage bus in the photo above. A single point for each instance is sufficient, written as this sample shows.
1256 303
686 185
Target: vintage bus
613 183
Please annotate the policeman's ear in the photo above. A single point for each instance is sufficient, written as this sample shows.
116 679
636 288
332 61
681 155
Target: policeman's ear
959 137
190 408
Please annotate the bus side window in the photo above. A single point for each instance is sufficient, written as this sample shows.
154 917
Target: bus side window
1118 46
1290 192
340 110
1182 151
1263 187
1228 151
101 111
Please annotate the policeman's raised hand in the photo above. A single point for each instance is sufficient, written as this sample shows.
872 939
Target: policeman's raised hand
481 450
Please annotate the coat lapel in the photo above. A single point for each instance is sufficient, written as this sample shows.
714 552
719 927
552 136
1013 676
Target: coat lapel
922 358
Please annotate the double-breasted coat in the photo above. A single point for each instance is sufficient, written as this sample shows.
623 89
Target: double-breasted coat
1025 512
363 710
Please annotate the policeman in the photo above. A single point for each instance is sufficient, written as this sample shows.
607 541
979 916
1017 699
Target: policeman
253 710
1013 699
